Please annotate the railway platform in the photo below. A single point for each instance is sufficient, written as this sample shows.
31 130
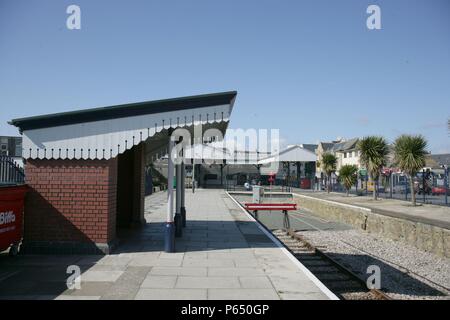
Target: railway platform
223 253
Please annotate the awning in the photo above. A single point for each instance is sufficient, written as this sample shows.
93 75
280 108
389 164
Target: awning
103 133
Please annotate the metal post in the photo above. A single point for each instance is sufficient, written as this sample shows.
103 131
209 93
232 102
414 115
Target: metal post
169 241
193 175
367 181
406 188
183 190
178 222
446 184
423 185
391 184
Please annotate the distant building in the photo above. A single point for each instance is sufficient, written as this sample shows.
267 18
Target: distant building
346 153
296 165
309 146
436 161
11 147
323 147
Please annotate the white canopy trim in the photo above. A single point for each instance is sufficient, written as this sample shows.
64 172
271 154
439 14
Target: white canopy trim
106 139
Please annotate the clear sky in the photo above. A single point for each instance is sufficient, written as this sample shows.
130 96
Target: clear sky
310 68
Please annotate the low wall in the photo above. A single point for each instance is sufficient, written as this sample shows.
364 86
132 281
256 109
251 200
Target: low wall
423 236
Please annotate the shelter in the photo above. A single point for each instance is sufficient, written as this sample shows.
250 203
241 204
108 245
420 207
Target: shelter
295 160
86 168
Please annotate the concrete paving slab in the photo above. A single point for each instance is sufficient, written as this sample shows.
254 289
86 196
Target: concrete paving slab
100 276
207 282
127 286
96 288
154 262
252 282
179 271
159 281
171 294
234 272
189 262
242 294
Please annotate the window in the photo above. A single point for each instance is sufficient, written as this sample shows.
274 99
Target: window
345 154
18 151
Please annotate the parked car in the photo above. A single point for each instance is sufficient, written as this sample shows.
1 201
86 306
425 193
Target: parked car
439 191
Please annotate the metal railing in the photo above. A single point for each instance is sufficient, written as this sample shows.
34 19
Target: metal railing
10 172
387 189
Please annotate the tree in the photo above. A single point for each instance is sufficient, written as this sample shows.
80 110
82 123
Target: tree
373 155
409 156
348 175
328 165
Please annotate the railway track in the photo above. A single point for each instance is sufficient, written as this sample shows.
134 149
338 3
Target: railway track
340 280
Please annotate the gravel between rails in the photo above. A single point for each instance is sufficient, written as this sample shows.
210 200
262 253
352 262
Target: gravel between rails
398 262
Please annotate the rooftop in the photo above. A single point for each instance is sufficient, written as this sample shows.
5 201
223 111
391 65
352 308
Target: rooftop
124 110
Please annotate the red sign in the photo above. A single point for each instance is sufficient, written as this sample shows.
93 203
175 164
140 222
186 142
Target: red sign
11 215
271 177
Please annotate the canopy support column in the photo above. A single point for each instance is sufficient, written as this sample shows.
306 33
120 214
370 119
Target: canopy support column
169 240
183 190
178 222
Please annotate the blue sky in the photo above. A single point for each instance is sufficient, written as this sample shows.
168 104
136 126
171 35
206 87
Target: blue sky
310 68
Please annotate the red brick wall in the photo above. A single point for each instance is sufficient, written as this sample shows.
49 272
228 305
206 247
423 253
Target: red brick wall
71 200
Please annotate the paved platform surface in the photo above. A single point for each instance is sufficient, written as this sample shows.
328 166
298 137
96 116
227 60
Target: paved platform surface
438 216
221 255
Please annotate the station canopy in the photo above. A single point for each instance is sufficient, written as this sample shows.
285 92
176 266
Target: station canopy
293 153
207 153
103 133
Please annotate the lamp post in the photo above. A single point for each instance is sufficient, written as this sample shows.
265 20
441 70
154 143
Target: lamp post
169 237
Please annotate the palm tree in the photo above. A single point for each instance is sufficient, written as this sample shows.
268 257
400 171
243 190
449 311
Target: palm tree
348 175
373 155
328 165
409 156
